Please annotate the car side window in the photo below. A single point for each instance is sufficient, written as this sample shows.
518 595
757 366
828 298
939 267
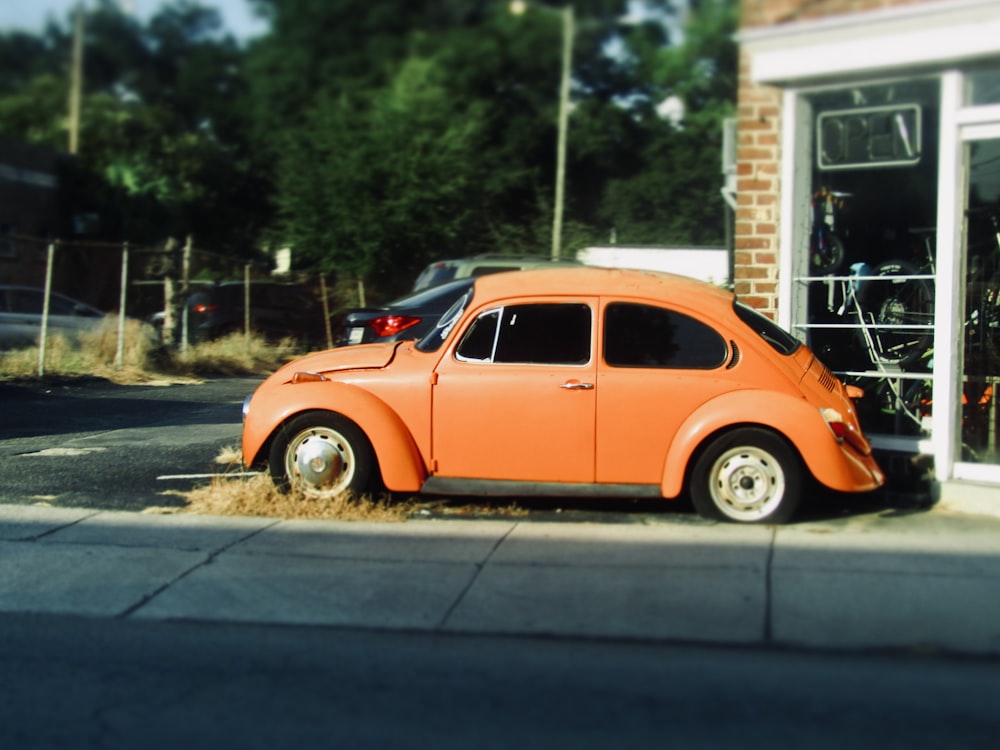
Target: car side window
26 301
638 335
62 306
552 334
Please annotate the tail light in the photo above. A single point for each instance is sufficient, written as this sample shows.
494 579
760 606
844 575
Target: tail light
204 308
836 424
843 431
390 325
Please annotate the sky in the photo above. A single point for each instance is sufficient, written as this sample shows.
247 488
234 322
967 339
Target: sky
31 15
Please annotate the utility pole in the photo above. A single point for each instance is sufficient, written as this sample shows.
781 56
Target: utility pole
76 80
568 21
564 81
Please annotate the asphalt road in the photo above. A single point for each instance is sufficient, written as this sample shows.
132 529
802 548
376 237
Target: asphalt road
93 444
76 683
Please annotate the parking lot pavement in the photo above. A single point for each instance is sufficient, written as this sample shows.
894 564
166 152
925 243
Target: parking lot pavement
891 581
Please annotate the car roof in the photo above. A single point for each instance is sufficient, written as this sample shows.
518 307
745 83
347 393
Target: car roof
590 281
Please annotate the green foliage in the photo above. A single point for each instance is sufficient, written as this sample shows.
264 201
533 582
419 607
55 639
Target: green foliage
373 136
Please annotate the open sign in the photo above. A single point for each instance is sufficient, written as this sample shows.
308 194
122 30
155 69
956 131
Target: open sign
887 136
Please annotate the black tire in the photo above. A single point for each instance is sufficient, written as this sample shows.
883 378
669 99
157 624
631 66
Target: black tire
322 455
892 302
747 475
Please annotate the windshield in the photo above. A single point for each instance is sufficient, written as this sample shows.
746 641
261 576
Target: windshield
779 339
433 339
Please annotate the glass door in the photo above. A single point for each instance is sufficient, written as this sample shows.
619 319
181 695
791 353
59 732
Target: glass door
978 418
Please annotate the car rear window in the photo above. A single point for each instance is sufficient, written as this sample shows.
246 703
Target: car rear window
779 339
487 270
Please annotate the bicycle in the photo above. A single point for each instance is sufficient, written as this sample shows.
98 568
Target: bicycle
826 250
876 302
892 306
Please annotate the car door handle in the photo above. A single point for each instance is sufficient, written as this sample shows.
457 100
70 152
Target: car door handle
573 385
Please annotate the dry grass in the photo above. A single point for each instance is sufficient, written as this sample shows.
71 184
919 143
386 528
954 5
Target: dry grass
235 354
95 353
257 496
143 360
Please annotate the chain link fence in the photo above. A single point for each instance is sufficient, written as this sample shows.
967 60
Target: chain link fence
165 287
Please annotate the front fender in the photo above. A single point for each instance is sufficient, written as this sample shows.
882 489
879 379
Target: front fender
834 465
273 405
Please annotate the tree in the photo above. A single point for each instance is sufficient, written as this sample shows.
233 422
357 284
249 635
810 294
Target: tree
376 135
163 146
384 180
674 197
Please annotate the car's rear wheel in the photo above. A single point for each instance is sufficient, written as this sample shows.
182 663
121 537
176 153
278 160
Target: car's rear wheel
322 455
748 475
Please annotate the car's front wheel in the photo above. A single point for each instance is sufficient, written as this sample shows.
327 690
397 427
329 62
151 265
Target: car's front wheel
749 475
322 455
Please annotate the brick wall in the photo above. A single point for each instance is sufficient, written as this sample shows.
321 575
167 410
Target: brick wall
773 12
759 154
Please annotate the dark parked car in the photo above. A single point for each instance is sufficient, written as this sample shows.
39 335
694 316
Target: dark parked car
21 316
406 318
276 311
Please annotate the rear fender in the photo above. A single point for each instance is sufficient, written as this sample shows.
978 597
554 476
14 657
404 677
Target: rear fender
795 419
399 460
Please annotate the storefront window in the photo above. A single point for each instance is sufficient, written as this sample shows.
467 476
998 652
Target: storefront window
981 340
868 267
983 87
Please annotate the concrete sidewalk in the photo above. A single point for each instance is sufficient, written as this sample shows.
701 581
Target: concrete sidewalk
918 581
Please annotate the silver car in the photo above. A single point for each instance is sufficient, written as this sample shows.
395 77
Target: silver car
21 316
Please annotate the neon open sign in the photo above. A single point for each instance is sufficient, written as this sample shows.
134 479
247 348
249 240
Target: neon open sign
869 137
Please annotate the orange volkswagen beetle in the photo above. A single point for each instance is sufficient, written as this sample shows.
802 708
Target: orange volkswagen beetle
571 381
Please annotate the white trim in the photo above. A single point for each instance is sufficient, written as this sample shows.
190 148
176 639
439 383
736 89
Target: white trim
790 106
989 473
901 444
981 132
979 115
890 40
949 301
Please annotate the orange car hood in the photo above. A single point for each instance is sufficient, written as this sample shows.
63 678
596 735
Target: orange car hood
362 357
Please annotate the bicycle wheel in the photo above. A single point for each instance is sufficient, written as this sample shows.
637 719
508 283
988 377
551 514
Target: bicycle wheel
906 403
826 253
897 311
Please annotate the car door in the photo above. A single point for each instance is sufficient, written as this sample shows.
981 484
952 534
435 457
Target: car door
657 366
515 399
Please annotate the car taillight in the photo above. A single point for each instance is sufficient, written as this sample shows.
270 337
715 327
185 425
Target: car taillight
843 431
390 325
835 421
203 308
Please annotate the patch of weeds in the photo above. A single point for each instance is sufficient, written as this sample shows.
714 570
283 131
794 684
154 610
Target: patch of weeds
256 495
143 361
235 354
